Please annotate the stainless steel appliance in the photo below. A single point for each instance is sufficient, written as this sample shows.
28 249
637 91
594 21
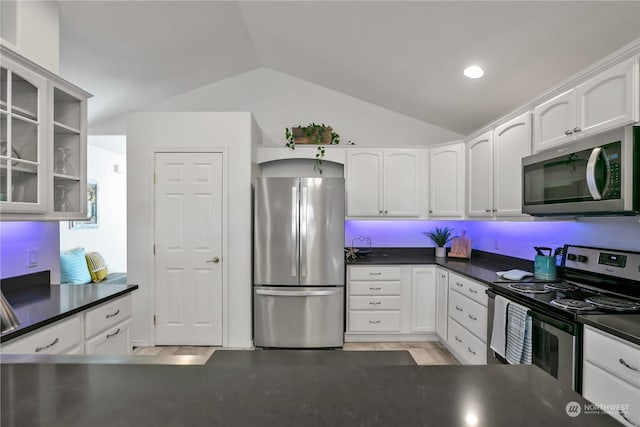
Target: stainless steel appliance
598 175
299 262
594 281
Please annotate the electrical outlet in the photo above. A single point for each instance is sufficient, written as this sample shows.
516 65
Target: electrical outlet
32 258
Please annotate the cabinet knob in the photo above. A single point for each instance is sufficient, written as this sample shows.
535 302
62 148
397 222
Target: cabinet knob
430 211
568 132
386 212
576 129
494 210
487 210
379 212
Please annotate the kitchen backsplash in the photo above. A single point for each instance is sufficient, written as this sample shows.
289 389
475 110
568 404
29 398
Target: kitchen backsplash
513 238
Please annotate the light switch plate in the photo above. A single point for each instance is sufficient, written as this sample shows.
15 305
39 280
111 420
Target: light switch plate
32 258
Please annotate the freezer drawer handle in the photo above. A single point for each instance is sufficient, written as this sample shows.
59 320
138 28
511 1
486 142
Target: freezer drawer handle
375 322
44 347
628 366
274 292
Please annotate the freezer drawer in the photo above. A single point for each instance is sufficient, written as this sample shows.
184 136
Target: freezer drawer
295 317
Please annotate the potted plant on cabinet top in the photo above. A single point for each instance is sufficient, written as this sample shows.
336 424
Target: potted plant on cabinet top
312 134
440 236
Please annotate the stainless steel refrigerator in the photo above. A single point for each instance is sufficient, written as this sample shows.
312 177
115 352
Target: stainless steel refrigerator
299 262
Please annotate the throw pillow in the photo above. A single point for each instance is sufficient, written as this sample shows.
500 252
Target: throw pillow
73 267
97 267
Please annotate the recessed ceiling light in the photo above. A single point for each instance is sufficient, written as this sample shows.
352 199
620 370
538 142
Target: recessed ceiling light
473 72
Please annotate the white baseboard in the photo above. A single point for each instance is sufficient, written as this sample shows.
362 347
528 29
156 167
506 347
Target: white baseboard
351 337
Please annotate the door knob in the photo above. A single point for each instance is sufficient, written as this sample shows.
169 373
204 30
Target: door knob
214 260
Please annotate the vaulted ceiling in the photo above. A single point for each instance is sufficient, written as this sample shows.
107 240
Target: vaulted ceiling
404 56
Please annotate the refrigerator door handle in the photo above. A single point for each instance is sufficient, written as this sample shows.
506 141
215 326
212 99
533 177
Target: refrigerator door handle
293 293
294 230
303 232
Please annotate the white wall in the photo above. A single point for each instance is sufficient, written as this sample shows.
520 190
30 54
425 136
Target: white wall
18 238
235 132
37 33
110 238
278 100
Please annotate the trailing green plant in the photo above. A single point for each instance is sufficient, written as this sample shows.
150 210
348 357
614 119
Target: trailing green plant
316 134
440 236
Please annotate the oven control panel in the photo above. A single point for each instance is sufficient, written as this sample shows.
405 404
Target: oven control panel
615 263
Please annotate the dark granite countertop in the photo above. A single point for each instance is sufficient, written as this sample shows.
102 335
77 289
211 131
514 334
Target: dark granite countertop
41 305
285 395
625 326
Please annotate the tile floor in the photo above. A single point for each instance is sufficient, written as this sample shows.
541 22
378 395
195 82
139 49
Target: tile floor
424 353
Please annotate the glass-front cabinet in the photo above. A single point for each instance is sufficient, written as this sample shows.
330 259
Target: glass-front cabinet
22 118
43 139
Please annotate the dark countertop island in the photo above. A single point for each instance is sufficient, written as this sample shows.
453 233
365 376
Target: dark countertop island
96 395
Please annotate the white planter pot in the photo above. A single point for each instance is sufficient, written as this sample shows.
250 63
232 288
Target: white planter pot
441 252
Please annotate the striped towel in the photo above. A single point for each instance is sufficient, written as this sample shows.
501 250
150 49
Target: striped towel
518 335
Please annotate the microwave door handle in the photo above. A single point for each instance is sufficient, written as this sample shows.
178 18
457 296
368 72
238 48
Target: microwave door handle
591 174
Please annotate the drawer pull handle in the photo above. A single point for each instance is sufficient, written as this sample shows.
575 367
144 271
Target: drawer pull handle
375 322
472 318
374 274
473 291
458 308
459 284
374 303
113 334
471 351
457 339
622 362
113 314
374 289
39 349
627 419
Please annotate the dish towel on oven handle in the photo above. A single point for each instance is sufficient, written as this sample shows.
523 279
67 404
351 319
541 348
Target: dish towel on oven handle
499 331
519 327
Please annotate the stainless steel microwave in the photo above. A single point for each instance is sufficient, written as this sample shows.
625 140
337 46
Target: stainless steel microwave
595 176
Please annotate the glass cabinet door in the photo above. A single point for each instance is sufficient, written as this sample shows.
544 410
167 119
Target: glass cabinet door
22 99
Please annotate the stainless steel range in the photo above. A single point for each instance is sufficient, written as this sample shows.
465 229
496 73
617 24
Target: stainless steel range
593 281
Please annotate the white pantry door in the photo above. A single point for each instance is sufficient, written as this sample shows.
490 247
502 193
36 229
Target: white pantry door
188 248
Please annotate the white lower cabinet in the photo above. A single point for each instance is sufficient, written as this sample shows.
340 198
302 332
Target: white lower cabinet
442 302
390 303
467 320
611 375
57 338
103 329
107 327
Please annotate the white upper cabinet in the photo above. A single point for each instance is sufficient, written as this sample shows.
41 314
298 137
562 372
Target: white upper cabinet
446 181
23 118
607 100
382 183
43 140
480 176
512 142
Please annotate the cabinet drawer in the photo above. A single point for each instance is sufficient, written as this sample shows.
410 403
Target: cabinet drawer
469 314
55 339
612 354
467 348
107 315
374 303
378 321
113 341
374 288
602 388
374 273
469 288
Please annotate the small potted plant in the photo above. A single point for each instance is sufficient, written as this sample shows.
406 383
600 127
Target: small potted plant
312 134
440 236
